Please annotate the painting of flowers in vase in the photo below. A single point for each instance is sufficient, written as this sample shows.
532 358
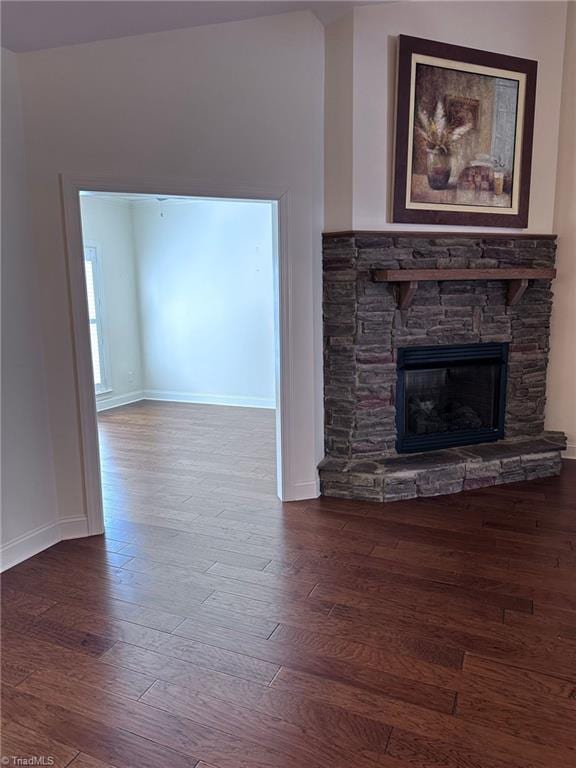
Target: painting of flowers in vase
463 136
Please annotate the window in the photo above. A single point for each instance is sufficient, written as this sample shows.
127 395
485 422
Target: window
93 292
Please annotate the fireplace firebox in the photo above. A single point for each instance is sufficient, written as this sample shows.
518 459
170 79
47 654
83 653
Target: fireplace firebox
450 395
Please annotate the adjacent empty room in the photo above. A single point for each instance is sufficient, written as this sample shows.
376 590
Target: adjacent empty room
181 305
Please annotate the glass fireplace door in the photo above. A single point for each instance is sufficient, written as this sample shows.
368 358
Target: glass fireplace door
450 395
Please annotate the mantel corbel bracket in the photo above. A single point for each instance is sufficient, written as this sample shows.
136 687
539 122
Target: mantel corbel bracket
516 289
405 293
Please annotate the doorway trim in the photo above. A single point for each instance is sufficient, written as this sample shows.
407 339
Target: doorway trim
70 188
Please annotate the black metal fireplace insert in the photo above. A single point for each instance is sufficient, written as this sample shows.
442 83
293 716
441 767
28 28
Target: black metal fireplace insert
450 395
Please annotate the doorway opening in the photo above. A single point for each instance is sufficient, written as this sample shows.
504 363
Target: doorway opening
182 305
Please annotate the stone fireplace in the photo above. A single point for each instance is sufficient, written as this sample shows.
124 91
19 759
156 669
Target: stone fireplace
435 357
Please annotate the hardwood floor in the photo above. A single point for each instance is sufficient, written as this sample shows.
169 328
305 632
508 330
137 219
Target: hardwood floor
214 626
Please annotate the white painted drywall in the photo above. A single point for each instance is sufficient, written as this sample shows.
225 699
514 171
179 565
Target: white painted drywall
338 124
561 402
29 508
206 290
107 225
239 104
533 30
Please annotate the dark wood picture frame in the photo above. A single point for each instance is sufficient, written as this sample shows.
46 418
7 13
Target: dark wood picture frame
408 47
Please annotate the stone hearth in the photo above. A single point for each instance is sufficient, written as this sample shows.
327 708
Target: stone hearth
364 328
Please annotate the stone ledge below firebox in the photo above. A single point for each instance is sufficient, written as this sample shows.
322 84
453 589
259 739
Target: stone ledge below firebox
435 473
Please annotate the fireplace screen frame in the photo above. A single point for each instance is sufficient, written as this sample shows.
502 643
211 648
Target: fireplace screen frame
419 358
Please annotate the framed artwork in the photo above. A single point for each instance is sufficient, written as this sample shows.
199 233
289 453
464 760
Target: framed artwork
464 127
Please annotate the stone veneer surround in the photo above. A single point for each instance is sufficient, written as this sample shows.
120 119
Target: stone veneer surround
363 329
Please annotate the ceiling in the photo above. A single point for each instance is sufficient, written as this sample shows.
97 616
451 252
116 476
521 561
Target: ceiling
33 25
141 197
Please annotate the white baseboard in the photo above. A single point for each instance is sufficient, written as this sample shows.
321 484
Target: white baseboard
203 399
302 491
570 452
104 403
29 544
35 541
74 528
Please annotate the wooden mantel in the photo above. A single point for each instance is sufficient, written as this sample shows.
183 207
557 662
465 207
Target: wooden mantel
407 279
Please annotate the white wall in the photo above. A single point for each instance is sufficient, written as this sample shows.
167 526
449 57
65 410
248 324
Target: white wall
561 403
30 519
533 30
339 125
107 225
207 300
238 103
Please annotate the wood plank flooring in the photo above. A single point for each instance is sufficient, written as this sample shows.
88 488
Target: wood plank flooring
215 627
